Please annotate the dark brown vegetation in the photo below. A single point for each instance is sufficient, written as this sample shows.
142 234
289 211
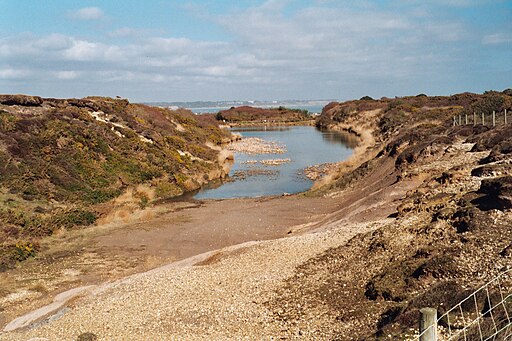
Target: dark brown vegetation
246 114
449 235
62 161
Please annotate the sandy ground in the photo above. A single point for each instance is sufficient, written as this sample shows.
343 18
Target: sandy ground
163 234
222 298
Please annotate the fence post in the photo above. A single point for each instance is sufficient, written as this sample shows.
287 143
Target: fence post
428 324
466 119
483 119
474 118
505 116
493 118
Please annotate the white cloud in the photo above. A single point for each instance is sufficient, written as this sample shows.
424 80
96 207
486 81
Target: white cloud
497 38
123 32
82 50
87 13
14 73
53 42
67 75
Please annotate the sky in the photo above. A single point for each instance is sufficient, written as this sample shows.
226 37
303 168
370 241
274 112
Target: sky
157 50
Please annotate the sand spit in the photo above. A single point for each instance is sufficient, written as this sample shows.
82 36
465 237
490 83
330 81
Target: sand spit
254 145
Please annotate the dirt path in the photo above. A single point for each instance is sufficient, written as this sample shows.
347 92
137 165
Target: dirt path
164 234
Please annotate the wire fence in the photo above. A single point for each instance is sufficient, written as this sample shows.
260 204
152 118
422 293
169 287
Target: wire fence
484 315
494 119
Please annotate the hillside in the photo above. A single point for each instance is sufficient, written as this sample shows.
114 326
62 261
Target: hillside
252 115
420 216
451 231
67 162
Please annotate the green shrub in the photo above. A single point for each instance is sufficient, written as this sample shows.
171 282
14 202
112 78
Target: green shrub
23 251
7 121
167 189
72 218
491 102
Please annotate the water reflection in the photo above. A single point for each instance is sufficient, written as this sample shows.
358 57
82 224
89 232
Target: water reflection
350 140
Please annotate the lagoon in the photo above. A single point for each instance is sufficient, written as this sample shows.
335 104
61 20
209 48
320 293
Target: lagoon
305 146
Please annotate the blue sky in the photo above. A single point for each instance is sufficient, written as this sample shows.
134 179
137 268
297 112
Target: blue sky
268 50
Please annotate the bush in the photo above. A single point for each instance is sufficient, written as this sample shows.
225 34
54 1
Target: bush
23 251
167 189
72 218
366 98
489 103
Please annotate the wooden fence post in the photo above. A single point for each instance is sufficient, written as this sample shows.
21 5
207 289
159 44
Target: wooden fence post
466 119
428 324
474 118
483 119
505 116
493 118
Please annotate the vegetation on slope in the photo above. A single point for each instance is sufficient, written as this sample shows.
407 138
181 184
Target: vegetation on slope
450 234
62 161
252 115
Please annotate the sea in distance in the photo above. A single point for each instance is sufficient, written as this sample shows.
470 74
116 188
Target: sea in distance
305 146
312 109
208 107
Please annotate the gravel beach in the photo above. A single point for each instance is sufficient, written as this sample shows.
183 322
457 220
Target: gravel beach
224 297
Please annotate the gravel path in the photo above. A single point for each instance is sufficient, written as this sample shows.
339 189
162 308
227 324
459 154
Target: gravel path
223 298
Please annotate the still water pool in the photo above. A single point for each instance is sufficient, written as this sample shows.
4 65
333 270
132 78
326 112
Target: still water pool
305 146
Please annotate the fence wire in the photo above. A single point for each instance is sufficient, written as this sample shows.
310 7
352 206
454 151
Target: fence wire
484 315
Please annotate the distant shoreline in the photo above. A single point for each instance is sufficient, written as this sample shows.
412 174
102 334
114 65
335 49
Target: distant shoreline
270 124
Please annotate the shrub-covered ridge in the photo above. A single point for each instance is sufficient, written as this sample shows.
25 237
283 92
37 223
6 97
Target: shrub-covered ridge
253 115
62 160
